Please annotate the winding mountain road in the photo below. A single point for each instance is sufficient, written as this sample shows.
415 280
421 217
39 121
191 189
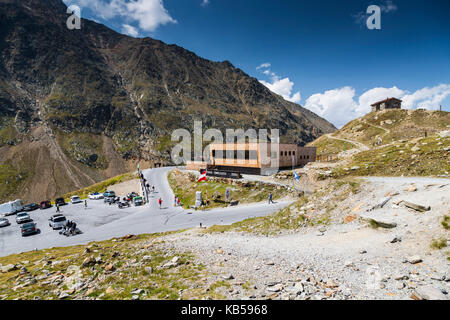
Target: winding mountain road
102 222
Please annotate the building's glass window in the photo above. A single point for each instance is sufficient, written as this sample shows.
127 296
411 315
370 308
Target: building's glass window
253 155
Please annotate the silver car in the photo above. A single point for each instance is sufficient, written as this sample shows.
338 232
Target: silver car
58 221
4 222
23 217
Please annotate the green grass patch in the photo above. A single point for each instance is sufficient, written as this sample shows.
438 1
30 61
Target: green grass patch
446 222
326 146
399 159
438 244
130 274
11 179
185 186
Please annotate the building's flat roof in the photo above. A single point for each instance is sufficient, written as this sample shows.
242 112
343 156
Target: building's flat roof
386 100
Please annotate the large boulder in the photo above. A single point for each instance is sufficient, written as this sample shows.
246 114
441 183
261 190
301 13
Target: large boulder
428 293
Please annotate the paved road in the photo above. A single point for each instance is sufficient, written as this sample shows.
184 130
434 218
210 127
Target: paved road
101 221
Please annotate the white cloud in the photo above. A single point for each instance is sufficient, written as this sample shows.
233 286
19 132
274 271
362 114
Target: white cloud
389 6
340 106
337 106
263 66
130 30
283 87
148 14
205 3
427 98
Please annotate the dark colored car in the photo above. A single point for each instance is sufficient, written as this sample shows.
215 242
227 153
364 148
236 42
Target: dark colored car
111 200
28 229
30 207
60 202
45 205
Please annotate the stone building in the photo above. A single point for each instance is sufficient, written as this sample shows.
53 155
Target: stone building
389 103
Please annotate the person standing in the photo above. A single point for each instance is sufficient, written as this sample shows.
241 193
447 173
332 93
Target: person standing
160 202
85 204
175 201
57 207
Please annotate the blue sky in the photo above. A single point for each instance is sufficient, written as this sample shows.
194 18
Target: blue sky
319 53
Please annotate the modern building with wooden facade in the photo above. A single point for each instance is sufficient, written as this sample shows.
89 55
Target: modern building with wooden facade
389 103
255 158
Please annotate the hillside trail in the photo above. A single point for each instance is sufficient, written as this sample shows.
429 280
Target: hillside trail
359 145
378 127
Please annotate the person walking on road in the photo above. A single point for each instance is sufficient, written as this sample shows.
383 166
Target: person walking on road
271 198
160 202
57 207
85 204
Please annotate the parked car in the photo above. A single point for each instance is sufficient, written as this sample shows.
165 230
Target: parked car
130 196
11 207
45 205
23 217
28 229
4 222
60 202
75 200
109 194
30 207
96 196
138 201
57 221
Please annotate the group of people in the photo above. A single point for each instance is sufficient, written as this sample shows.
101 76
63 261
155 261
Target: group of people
71 227
176 202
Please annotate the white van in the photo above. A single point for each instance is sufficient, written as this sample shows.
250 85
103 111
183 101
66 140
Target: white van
11 207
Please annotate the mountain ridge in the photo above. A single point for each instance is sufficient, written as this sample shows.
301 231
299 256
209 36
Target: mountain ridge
83 97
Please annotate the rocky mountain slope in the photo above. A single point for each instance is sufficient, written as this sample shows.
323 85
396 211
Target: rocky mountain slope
79 106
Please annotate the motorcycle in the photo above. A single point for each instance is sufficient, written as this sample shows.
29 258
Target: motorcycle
70 233
122 205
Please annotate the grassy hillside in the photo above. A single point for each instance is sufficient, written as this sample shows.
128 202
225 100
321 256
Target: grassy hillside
326 145
185 186
426 157
11 180
107 270
385 127
398 142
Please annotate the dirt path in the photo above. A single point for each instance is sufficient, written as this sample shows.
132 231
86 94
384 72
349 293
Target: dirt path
360 145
